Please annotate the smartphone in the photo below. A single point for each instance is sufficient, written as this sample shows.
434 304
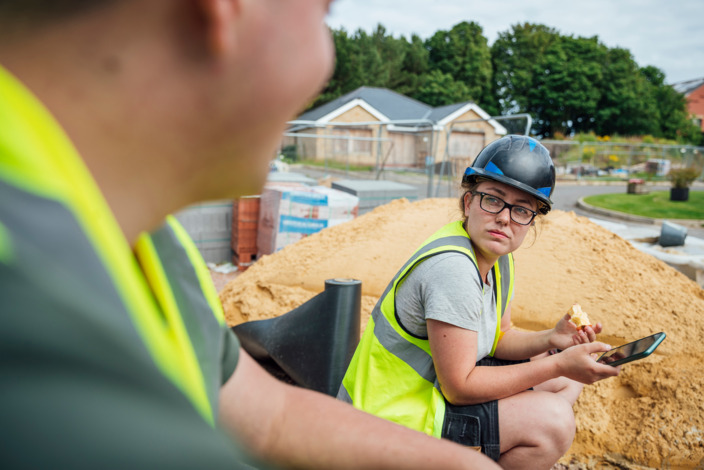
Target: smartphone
632 351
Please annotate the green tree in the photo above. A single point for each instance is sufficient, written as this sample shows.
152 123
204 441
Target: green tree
363 59
412 75
628 105
516 57
463 54
376 69
554 78
565 91
440 89
570 85
392 52
347 74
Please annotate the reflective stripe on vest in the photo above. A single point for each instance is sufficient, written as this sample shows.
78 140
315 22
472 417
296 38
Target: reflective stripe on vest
41 171
184 288
392 373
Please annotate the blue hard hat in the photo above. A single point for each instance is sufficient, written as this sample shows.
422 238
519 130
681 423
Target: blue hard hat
518 161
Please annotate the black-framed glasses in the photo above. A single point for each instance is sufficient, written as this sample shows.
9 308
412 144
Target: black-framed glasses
493 205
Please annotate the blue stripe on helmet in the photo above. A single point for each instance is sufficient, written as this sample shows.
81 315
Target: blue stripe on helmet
492 168
469 171
532 144
545 191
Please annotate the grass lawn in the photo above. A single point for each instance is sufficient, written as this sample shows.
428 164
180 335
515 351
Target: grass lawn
655 204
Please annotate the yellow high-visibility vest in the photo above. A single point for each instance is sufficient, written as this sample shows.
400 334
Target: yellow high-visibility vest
392 374
165 276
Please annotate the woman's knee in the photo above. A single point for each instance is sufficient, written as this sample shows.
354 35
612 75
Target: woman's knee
537 419
558 422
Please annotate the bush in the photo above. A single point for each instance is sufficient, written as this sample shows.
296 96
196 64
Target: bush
683 177
290 153
582 137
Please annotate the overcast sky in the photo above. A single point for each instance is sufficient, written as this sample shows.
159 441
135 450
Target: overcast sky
668 34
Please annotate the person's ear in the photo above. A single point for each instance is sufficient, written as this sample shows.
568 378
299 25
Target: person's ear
467 198
219 16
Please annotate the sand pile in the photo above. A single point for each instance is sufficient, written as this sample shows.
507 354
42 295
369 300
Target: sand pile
651 415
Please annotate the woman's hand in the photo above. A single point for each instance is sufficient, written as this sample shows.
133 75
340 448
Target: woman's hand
579 363
566 334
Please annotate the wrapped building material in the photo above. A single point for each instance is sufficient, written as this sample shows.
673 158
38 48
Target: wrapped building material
290 212
209 224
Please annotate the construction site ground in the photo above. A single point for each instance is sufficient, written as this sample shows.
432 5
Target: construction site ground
650 416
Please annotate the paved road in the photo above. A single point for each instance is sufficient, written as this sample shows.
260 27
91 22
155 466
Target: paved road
566 194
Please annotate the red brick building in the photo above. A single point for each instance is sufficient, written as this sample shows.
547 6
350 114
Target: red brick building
693 90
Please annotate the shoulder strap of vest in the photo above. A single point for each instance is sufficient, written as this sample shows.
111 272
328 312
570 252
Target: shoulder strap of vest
453 237
179 277
503 276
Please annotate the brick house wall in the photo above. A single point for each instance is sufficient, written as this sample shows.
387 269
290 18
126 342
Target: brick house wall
695 105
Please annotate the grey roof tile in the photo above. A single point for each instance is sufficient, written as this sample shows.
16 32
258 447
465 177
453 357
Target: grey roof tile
394 106
439 113
688 86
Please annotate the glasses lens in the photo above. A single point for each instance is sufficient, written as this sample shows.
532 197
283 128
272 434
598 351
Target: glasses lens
491 204
494 205
521 215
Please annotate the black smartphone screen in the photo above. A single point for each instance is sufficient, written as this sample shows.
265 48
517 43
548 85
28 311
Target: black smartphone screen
632 351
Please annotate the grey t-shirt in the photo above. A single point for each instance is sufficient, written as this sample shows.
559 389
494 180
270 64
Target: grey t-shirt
447 288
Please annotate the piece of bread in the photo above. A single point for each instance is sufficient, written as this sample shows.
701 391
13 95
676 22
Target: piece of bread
579 317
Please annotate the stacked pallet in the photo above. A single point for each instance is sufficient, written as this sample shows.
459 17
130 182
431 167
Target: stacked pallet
245 221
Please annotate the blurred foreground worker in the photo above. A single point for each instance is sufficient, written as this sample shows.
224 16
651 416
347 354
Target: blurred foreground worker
113 348
439 354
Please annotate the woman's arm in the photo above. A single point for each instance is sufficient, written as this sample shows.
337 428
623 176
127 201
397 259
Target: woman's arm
516 344
454 353
298 428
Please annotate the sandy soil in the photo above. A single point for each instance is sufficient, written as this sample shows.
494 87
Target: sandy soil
651 415
220 280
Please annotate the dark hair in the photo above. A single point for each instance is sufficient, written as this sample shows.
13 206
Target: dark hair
468 186
17 14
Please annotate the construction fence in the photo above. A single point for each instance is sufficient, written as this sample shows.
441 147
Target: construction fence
393 145
430 157
622 160
443 152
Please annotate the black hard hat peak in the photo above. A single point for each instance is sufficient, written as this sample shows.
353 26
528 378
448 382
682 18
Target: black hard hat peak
518 161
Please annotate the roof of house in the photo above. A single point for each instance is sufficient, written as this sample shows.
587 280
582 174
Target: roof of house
392 105
384 104
688 86
441 112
